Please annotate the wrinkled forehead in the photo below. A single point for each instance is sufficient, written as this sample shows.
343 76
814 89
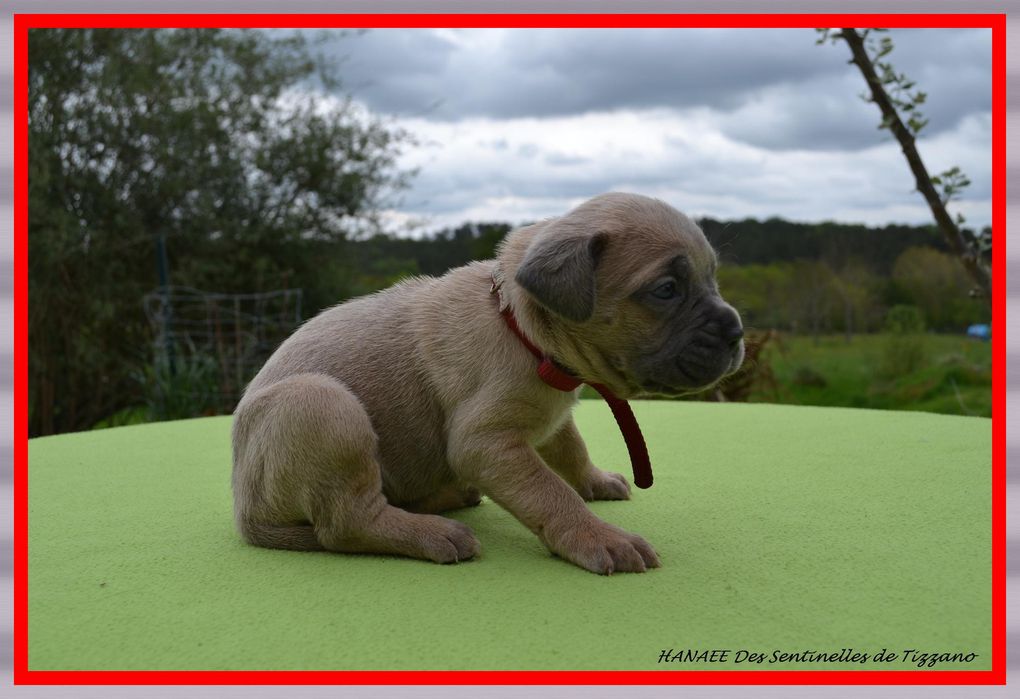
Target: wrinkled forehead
651 246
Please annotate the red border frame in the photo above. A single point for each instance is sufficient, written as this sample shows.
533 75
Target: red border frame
22 675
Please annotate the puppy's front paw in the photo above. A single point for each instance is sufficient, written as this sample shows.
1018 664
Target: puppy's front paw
604 485
601 548
446 540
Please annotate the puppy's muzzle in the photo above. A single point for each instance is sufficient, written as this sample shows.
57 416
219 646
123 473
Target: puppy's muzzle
703 350
733 334
714 349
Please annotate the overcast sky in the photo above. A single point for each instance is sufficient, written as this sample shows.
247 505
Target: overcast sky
517 125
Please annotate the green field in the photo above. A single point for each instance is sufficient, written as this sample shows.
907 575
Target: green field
953 376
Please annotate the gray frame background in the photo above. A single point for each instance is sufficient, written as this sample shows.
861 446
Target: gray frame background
1011 7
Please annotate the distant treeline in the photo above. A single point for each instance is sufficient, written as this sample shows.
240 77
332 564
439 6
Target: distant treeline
432 254
799 277
744 242
753 242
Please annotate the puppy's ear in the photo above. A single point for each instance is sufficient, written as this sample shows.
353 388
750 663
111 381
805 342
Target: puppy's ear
560 274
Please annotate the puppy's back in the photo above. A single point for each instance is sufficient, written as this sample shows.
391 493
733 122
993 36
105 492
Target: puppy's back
381 348
348 341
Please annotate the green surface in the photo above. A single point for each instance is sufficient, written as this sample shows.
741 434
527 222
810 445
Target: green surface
779 528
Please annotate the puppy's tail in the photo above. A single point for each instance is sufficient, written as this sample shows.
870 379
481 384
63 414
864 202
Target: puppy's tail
295 538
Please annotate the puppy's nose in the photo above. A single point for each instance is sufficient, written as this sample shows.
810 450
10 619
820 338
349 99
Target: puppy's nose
733 335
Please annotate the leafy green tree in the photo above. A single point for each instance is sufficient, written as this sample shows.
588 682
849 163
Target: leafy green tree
209 139
856 287
814 298
761 293
749 241
935 283
903 349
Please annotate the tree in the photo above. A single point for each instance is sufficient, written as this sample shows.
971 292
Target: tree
762 294
855 285
210 139
934 283
815 296
898 99
776 240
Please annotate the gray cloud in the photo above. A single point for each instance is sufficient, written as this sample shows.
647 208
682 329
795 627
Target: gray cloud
774 88
394 71
538 167
517 125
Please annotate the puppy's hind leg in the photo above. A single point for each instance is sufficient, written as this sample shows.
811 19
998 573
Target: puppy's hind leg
305 454
449 497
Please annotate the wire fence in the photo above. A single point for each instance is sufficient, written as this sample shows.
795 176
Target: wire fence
208 346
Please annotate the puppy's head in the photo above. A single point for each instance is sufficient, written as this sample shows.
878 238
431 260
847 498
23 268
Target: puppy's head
628 284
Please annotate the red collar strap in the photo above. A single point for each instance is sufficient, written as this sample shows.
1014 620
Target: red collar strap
561 380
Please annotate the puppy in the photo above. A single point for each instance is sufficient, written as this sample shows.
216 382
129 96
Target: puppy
381 412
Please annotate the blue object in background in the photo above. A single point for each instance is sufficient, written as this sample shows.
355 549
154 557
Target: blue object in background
980 331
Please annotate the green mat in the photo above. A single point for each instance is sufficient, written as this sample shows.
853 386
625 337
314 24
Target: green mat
780 528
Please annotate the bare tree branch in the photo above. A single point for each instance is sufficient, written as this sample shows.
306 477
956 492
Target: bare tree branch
891 118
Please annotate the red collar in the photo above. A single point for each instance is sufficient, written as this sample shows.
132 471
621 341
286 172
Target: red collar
561 380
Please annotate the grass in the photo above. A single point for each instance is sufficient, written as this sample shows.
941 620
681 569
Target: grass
953 377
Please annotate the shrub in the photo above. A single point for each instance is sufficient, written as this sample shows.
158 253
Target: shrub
904 350
187 388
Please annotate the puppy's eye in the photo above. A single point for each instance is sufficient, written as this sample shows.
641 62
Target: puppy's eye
665 291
